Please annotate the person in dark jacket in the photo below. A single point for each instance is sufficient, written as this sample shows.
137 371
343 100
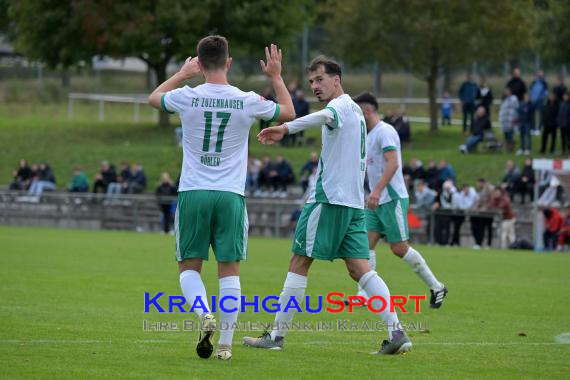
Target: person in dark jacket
137 183
538 95
285 174
559 89
526 181
164 193
550 113
22 177
307 170
485 97
517 85
564 122
106 176
525 125
44 179
467 96
480 125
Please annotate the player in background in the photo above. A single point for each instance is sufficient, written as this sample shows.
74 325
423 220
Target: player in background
332 222
387 213
216 118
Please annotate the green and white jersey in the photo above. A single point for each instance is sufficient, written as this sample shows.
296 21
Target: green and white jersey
342 166
216 120
381 139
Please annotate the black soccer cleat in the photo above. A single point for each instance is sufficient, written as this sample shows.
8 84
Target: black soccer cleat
437 297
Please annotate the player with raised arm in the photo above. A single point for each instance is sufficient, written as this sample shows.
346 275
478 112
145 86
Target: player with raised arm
387 213
216 119
332 223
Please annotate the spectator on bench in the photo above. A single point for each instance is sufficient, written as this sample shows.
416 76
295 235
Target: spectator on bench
22 177
268 177
43 180
79 181
526 182
164 193
106 176
252 176
478 129
120 186
137 183
285 174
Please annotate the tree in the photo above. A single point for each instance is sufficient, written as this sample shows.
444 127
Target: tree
553 32
48 31
426 36
160 31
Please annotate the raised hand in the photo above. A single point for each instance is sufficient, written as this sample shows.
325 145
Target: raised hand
270 136
272 65
190 68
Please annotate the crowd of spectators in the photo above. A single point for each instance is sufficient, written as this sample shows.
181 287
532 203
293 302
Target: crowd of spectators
527 110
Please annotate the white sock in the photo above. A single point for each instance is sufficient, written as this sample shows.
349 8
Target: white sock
294 286
372 263
419 265
192 288
375 286
229 286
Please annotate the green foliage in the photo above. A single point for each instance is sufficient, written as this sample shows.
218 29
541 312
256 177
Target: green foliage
553 31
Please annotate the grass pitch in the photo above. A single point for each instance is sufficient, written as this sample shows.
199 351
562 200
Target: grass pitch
72 307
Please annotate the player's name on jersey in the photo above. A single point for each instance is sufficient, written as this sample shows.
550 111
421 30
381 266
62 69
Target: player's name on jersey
210 160
235 104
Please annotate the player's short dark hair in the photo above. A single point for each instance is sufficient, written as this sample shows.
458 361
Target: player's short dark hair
367 98
213 52
330 66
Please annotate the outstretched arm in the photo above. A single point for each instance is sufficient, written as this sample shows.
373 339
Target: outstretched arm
316 119
189 70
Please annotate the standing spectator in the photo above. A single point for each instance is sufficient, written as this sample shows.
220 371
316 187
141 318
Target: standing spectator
164 193
508 117
538 95
552 225
467 95
252 177
500 202
564 233
559 89
106 176
413 173
22 177
424 199
517 85
307 170
564 123
478 129
432 176
285 174
137 183
526 182
525 125
444 203
402 126
550 118
446 109
511 178
43 180
446 172
485 97
301 109
79 181
482 224
464 200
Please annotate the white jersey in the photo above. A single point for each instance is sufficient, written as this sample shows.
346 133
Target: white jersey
216 120
342 165
381 139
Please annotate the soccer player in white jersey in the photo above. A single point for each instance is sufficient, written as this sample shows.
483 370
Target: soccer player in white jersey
216 118
387 213
332 223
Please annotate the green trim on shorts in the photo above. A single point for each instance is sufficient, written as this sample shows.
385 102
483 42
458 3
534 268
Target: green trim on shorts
328 232
390 220
392 193
163 105
276 114
209 218
388 148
